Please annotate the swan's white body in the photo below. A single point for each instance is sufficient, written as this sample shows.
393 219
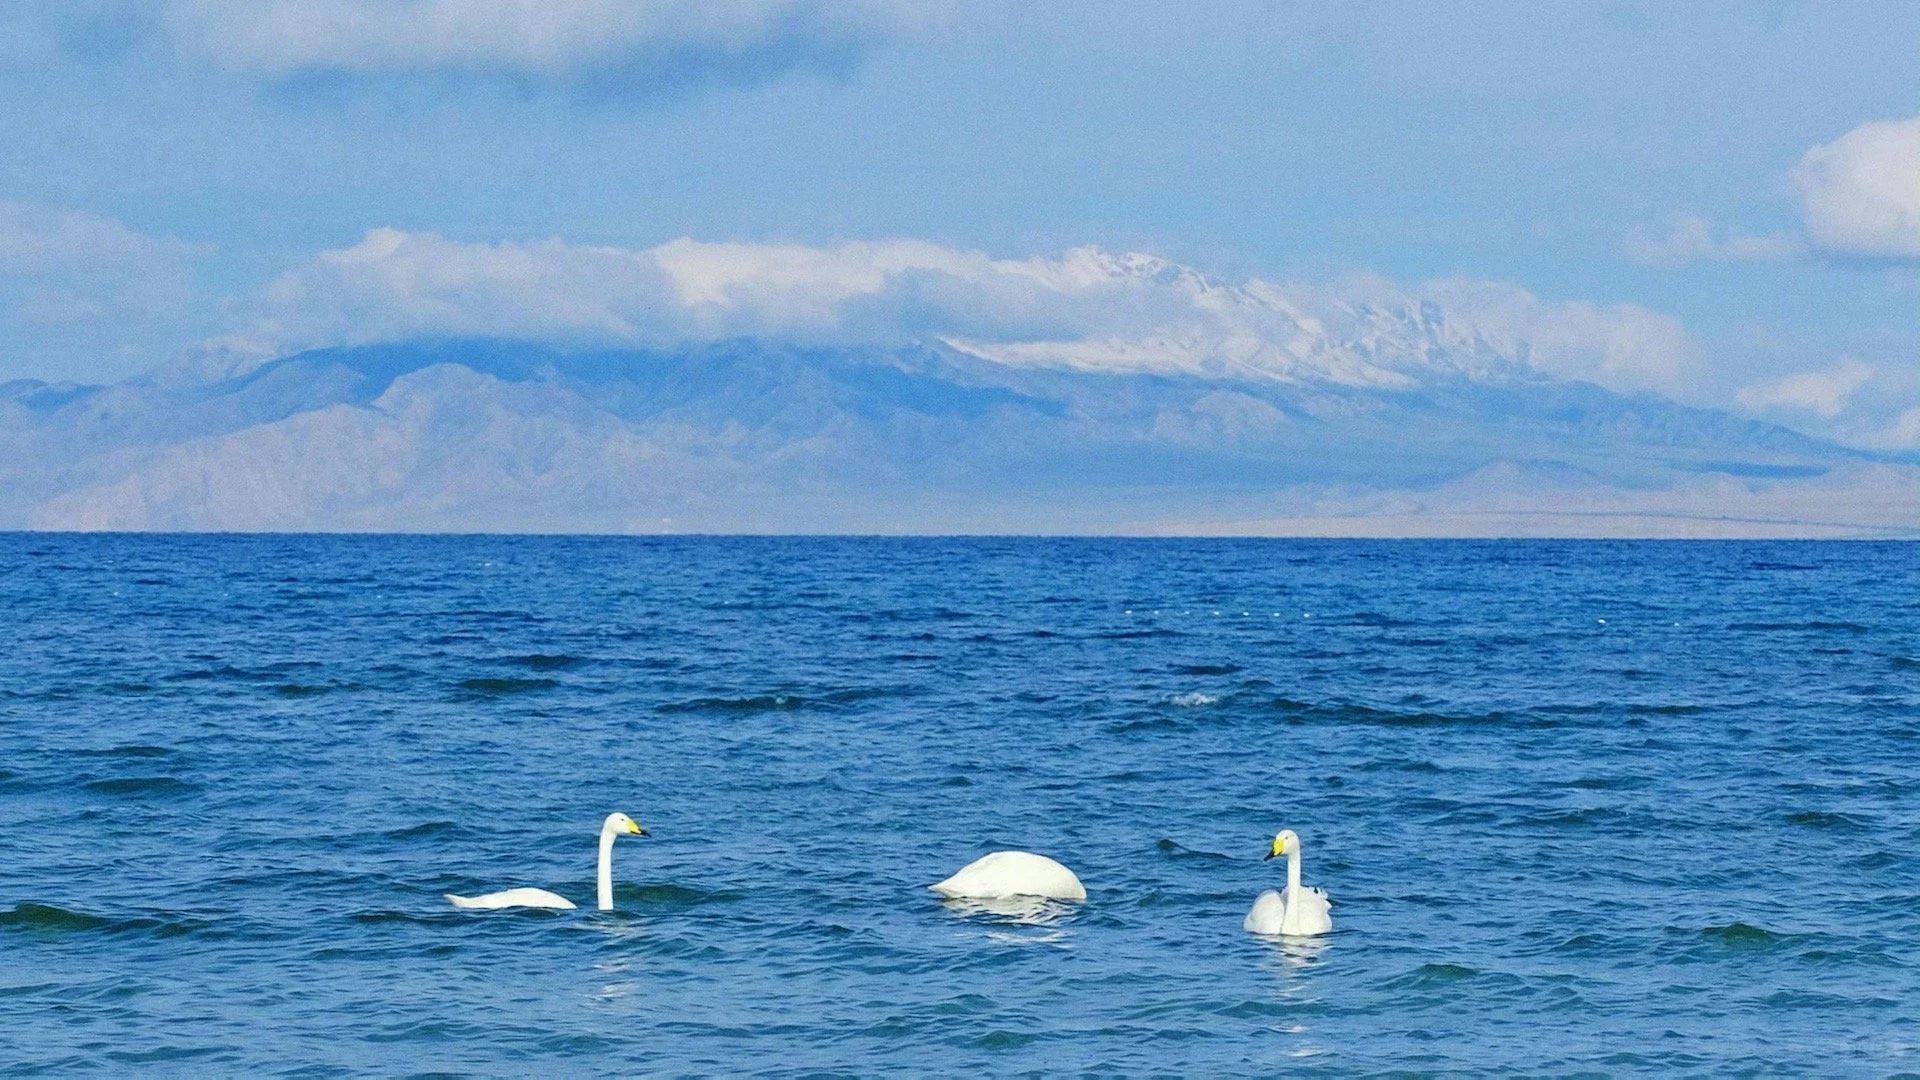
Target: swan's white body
512 898
1300 911
616 824
1006 874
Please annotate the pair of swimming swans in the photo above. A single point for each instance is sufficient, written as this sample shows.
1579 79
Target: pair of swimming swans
1299 911
1003 875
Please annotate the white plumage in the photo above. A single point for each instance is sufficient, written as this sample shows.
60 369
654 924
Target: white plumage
1299 911
1007 874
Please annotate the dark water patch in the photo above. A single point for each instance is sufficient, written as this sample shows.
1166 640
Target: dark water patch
443 914
1904 661
1764 565
127 750
1364 618
1134 635
1206 669
544 661
1304 712
298 690
1811 626
162 787
49 919
502 687
1822 819
668 895
1604 783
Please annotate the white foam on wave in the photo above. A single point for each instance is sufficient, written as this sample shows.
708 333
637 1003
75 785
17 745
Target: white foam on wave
1193 699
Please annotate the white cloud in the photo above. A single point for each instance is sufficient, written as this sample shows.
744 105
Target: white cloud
539 37
1824 393
1623 347
1689 239
1860 194
60 266
1087 309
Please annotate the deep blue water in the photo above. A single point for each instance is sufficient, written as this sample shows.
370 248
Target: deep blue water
1581 807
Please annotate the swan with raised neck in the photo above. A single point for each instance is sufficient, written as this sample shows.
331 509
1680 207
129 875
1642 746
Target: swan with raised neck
616 824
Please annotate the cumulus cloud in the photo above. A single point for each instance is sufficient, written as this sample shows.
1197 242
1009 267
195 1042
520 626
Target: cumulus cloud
1824 393
101 284
1689 239
1620 346
1860 194
1087 309
534 37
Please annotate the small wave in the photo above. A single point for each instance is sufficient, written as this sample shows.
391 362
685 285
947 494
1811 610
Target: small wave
495 687
1821 819
131 750
1604 783
756 703
298 690
1191 700
545 661
165 786
1179 852
415 832
1591 815
1207 669
1742 935
1814 625
675 896
1303 712
1430 976
50 919
1152 723
1130 635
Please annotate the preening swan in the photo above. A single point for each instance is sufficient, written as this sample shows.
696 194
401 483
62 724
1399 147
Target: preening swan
1006 874
616 824
1298 912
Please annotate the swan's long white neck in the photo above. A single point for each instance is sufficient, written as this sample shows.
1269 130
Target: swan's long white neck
606 867
1293 866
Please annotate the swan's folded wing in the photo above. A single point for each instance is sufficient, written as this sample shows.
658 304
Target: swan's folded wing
538 898
1269 914
1312 914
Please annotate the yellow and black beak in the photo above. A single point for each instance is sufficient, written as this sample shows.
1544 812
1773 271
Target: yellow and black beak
1270 855
634 828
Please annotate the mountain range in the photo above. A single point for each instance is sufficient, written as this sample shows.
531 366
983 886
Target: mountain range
1401 423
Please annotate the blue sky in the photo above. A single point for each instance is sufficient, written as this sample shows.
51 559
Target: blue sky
168 163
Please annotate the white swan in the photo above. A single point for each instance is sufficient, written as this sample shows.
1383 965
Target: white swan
616 824
1300 911
1006 874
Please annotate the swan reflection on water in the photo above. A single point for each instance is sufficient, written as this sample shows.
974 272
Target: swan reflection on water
1021 916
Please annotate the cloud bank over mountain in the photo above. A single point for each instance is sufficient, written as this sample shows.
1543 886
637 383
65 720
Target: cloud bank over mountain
411 382
1086 310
